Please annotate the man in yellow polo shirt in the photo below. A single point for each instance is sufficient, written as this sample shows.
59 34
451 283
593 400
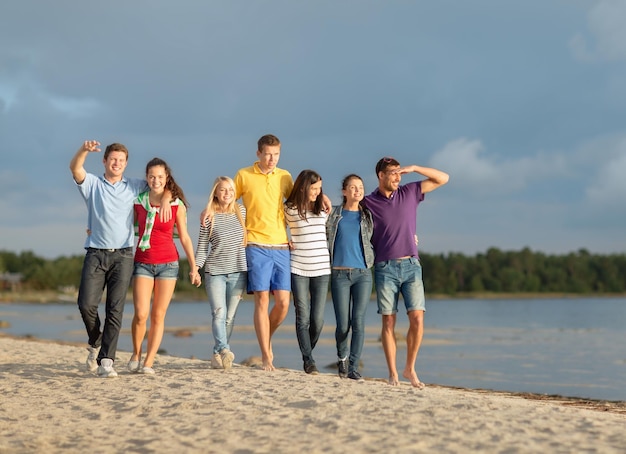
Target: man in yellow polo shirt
263 187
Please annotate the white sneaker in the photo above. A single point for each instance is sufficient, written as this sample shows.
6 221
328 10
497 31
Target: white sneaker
216 361
133 366
92 359
147 370
227 358
105 370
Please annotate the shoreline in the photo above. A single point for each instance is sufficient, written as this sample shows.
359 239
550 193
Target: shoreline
189 407
56 297
603 405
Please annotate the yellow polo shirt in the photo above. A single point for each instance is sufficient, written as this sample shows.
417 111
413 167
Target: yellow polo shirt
263 196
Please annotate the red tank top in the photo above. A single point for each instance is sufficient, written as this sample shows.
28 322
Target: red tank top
162 248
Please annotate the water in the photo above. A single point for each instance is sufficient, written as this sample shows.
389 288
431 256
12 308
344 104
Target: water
570 347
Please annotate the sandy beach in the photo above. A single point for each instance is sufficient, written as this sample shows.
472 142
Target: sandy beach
51 404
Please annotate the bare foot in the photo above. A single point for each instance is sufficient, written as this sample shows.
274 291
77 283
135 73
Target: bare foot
393 380
412 377
268 363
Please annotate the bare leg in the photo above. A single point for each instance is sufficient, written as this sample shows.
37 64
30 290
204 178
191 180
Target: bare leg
163 291
280 309
389 346
413 342
263 328
142 291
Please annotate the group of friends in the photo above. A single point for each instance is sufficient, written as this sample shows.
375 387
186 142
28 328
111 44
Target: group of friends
285 238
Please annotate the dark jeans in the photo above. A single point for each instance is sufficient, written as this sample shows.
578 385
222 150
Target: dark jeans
352 291
309 297
102 269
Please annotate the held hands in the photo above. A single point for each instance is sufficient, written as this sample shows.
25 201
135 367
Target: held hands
195 278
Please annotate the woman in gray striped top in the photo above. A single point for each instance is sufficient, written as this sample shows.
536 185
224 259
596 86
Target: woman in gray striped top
310 261
221 251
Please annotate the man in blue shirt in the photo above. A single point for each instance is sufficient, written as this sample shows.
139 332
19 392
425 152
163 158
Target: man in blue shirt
109 259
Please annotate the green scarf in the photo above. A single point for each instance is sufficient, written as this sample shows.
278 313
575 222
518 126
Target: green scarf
144 200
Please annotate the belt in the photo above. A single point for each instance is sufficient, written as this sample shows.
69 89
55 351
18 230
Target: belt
276 247
398 260
123 249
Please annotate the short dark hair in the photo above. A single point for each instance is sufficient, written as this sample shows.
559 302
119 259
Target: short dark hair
268 140
385 162
115 147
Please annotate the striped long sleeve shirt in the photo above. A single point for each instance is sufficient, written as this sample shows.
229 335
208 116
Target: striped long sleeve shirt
223 252
309 256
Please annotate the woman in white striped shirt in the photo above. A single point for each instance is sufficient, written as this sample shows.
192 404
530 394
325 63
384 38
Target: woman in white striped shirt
310 261
221 251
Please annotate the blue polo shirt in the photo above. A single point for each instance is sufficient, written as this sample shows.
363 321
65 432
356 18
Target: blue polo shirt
395 221
110 210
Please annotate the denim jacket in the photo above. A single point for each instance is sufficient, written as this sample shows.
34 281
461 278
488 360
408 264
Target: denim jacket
367 229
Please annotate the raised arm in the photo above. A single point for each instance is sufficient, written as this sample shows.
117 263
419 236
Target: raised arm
434 177
77 164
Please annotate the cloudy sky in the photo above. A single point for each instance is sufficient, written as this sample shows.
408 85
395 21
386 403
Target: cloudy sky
522 102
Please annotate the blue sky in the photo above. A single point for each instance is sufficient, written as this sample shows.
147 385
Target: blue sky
522 102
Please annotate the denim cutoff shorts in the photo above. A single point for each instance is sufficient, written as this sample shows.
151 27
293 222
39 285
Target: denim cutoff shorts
395 277
160 271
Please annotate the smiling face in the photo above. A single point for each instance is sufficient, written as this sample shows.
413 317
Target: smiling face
114 165
224 193
268 157
353 191
314 191
157 178
389 179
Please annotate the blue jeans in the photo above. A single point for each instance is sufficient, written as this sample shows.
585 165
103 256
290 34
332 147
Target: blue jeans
309 298
224 292
111 269
351 290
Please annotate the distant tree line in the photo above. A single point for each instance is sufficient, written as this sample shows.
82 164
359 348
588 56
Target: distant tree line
495 271
524 271
63 272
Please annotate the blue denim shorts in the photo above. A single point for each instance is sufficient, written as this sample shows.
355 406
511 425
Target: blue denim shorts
395 277
160 271
268 269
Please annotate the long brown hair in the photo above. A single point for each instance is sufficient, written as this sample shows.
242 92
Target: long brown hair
299 197
170 183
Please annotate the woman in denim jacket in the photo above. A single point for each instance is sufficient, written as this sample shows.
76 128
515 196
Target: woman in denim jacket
349 229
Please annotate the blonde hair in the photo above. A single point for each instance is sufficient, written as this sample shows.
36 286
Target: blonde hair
233 207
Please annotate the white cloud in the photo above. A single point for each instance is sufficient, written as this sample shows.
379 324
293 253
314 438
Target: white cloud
606 23
608 187
473 169
464 158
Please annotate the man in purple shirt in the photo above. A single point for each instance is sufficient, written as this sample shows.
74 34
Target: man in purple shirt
397 269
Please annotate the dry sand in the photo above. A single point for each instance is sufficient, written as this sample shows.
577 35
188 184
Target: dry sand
51 404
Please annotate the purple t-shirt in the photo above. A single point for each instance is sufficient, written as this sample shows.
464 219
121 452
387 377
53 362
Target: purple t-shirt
395 221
